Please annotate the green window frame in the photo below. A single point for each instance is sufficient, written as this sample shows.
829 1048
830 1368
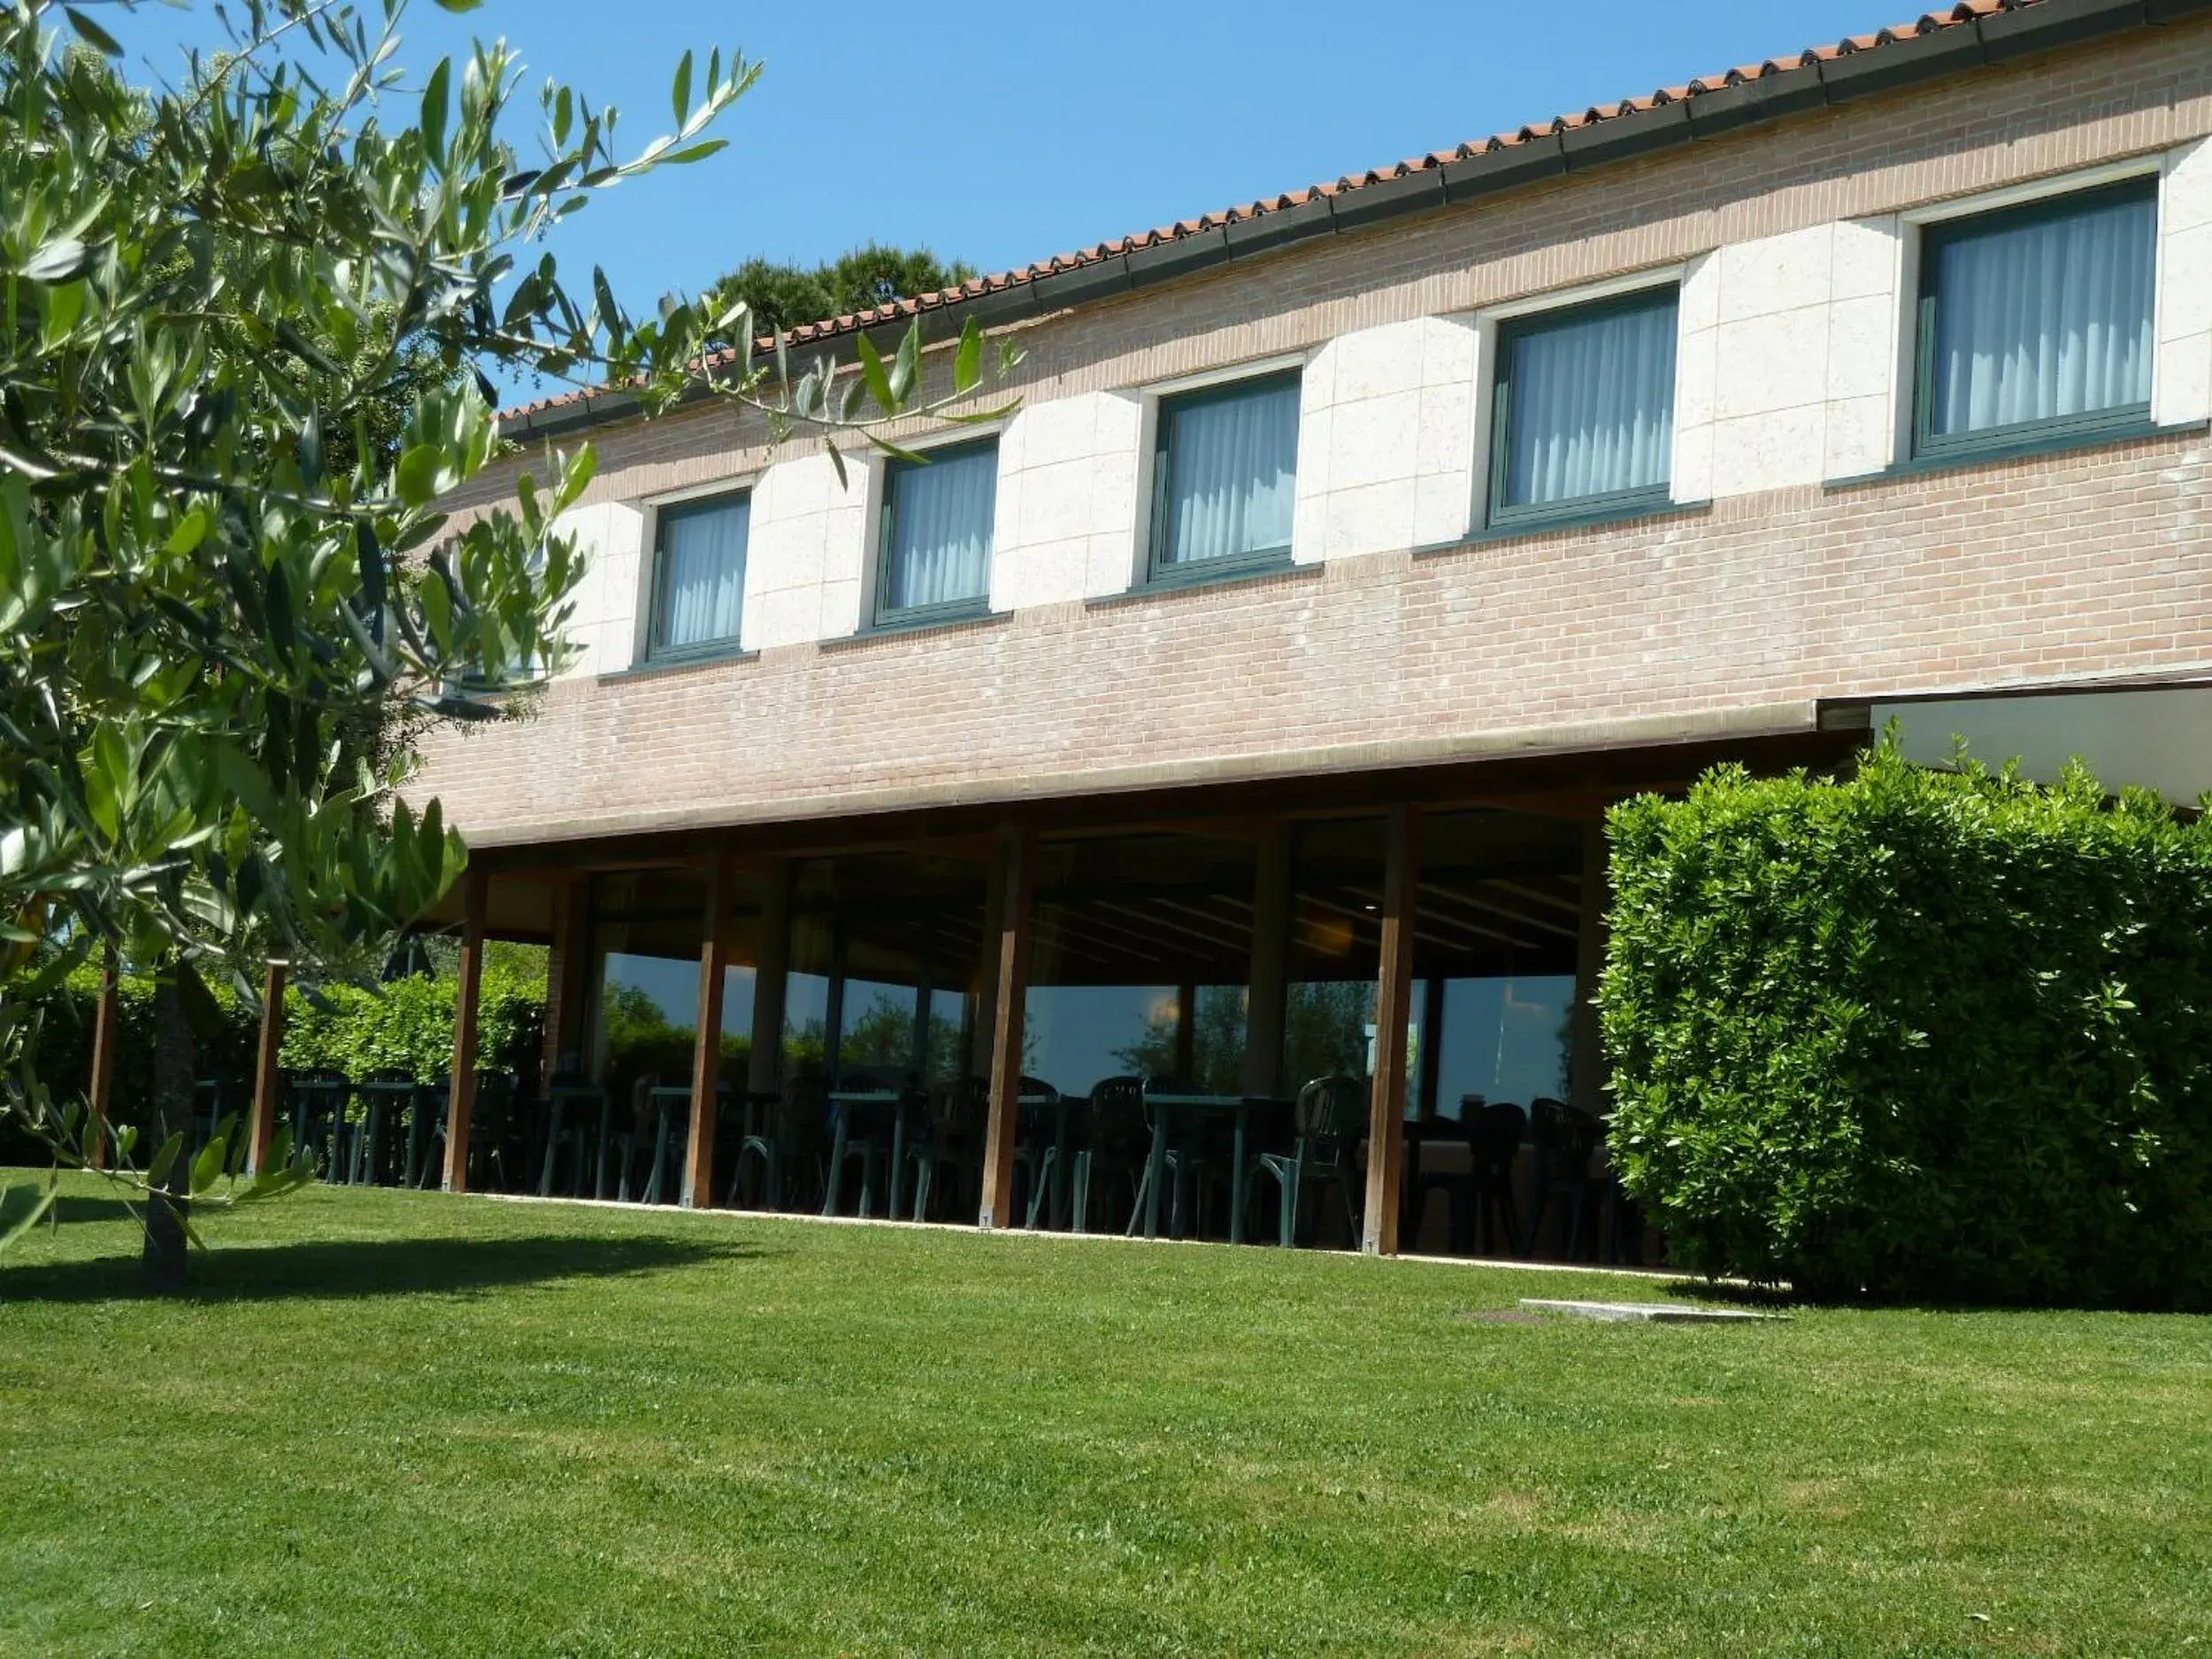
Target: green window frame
1159 569
2021 436
888 615
657 649
1598 506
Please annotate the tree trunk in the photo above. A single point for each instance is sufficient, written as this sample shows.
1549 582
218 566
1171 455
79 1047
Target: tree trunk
175 1066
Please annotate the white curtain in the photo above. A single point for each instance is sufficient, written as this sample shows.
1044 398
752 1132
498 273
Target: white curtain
703 571
1593 406
939 551
1232 467
2045 318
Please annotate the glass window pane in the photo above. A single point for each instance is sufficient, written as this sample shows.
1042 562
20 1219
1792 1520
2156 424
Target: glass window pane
877 1032
648 1018
2044 317
1503 1040
806 1015
1074 1035
701 572
1232 465
938 550
1591 407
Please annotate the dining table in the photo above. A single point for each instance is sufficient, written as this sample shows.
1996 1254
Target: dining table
1164 1110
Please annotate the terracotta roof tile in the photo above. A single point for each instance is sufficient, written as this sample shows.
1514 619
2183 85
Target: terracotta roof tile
1965 11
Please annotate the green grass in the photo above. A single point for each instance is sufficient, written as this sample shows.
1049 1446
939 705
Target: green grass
395 1423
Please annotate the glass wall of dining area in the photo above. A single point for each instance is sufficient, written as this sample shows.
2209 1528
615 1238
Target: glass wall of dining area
1344 1031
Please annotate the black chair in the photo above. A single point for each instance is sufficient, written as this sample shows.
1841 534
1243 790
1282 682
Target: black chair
214 1099
488 1123
573 1104
862 1129
1330 1117
495 1148
425 1133
671 1105
1202 1146
950 1145
632 1134
387 1095
1041 1155
1483 1206
1565 1140
317 1103
1113 1144
793 1141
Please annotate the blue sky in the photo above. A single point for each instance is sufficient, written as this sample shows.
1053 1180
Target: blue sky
1002 135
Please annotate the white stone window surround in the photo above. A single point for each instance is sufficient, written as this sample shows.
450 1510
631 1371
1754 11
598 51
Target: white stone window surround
1148 400
1788 359
1386 440
609 539
878 468
806 557
2181 364
1475 514
644 584
1065 516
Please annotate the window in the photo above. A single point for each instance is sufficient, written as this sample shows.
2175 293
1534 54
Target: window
935 554
699 575
1222 477
1582 422
2035 323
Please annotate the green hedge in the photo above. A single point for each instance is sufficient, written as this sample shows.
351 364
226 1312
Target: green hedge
1918 1035
65 1053
405 1024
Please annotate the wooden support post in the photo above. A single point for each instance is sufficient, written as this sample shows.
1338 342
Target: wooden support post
706 1056
567 980
1394 1000
461 1102
764 1068
1008 1007
105 1014
1269 984
268 1078
1585 1052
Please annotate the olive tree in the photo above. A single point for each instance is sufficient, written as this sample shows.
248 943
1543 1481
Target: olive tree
223 587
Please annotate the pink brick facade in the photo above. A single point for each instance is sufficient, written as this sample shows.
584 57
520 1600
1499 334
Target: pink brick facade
1739 615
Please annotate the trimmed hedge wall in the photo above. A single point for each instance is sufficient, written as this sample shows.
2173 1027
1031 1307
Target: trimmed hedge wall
405 1024
1918 1035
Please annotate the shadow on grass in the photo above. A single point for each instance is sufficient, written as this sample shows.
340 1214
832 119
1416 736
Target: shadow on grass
1769 1297
72 1209
372 1267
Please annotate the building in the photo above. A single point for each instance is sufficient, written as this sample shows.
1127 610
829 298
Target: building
1245 705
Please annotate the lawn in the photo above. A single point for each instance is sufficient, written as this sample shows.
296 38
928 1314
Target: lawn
398 1422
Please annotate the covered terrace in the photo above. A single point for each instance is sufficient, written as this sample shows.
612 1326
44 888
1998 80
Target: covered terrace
1352 1011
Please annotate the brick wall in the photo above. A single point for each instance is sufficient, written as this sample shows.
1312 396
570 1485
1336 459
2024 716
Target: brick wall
2053 569
2032 571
